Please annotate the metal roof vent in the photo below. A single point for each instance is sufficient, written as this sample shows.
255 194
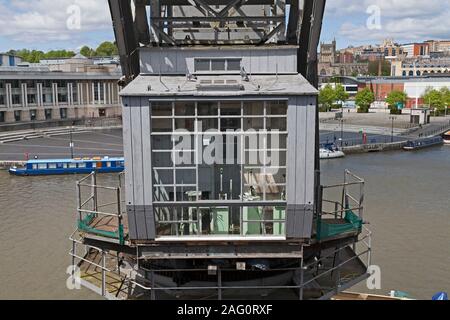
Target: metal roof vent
219 85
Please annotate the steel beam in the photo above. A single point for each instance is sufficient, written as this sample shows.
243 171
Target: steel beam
127 44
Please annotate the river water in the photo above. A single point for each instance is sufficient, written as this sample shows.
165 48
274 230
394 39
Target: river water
407 204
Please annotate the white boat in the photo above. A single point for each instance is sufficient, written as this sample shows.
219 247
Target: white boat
447 138
331 154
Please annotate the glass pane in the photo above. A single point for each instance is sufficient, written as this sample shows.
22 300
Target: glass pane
162 176
160 109
184 158
185 124
253 214
162 142
202 64
186 194
208 109
276 108
276 141
161 194
234 64
254 108
161 125
279 124
184 108
218 65
230 108
253 124
162 159
207 124
186 176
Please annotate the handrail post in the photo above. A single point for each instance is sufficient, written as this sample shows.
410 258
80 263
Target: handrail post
300 294
219 283
74 248
103 273
79 201
94 175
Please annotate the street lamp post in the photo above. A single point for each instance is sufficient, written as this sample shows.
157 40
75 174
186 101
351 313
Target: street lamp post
392 128
71 144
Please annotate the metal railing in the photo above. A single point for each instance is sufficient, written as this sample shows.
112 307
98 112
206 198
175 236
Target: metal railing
90 209
350 207
317 273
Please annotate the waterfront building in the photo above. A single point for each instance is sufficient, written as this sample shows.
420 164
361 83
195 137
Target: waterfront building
36 94
335 63
414 87
416 49
420 67
8 60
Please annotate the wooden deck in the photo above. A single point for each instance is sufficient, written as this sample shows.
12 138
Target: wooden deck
115 284
109 224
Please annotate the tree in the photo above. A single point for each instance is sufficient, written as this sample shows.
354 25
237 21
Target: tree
340 94
87 52
327 96
446 96
35 56
394 98
435 99
106 49
364 99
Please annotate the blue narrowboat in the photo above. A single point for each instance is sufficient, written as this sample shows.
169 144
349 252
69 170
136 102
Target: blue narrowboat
69 166
423 143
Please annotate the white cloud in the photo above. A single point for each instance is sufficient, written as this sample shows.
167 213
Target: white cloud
406 20
40 21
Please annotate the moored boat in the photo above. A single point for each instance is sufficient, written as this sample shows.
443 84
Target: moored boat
447 138
423 143
331 152
69 166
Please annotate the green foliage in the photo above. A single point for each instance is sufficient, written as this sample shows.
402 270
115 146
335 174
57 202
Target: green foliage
330 97
34 56
327 96
436 99
106 49
364 99
340 94
87 52
446 96
394 98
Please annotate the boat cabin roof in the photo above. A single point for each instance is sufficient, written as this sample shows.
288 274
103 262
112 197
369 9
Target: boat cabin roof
38 161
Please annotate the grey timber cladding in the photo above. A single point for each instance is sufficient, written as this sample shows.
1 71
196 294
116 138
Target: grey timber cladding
300 166
137 152
181 61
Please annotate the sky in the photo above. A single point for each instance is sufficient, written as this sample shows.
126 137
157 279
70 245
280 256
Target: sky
71 24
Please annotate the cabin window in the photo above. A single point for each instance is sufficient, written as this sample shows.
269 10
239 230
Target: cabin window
108 164
64 165
42 166
35 166
94 165
255 130
211 65
82 165
72 165
52 165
